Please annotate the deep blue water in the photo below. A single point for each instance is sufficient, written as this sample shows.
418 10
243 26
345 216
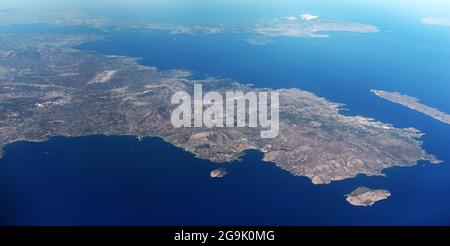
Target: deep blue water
120 181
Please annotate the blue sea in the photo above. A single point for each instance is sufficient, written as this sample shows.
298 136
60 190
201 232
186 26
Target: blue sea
119 180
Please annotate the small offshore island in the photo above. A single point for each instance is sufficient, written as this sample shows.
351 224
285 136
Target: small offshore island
364 196
414 104
218 173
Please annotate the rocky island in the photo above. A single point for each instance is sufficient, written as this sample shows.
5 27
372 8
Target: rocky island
218 173
364 196
48 88
414 104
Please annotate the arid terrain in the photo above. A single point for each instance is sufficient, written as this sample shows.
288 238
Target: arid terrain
364 196
47 88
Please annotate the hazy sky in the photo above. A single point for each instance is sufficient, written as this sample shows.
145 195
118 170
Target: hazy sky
242 10
417 5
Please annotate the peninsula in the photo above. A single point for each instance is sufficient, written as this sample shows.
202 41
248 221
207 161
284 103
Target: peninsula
48 88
